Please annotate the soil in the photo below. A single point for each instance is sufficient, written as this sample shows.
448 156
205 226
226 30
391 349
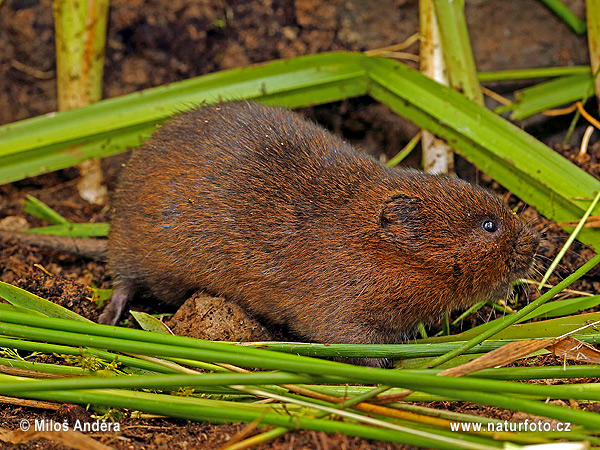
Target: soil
155 42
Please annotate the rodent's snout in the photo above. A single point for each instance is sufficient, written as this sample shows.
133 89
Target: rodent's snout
525 247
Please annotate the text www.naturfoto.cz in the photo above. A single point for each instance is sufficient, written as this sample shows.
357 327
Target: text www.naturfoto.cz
527 425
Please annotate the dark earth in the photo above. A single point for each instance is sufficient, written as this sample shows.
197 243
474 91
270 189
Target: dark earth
156 42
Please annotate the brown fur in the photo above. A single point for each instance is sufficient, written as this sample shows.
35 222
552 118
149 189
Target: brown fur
278 215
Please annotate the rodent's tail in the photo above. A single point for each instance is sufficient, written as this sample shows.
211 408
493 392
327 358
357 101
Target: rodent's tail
91 248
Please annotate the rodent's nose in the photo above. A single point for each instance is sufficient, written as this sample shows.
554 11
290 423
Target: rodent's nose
525 246
527 242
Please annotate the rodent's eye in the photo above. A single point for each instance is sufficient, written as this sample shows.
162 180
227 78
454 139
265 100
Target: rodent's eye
489 225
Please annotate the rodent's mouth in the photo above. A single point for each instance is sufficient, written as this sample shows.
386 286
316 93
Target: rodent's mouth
500 291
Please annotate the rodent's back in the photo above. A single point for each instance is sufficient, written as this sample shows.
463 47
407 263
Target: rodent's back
273 212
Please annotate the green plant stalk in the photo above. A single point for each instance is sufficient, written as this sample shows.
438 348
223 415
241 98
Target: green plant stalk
21 344
571 128
418 396
517 404
80 40
515 373
457 49
529 373
281 379
170 402
408 148
548 329
44 367
564 307
439 347
564 13
42 211
473 309
593 25
84 230
198 364
80 30
206 350
422 330
589 420
274 433
36 161
20 297
404 351
529 74
589 391
328 76
549 94
191 409
242 412
153 381
569 241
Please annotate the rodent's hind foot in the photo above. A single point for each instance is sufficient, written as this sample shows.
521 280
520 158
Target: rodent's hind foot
114 310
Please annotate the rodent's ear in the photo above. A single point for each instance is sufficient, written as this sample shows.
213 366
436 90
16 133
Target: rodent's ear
400 214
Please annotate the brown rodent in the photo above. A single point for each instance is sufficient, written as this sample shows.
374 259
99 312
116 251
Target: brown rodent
275 213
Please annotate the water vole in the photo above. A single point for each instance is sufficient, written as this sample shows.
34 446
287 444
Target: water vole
275 213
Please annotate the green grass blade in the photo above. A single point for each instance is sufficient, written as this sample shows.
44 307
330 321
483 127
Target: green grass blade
82 230
531 373
551 94
44 367
57 140
10 307
547 328
557 308
145 343
130 362
150 323
531 74
563 12
564 307
593 22
42 211
457 49
19 297
423 348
